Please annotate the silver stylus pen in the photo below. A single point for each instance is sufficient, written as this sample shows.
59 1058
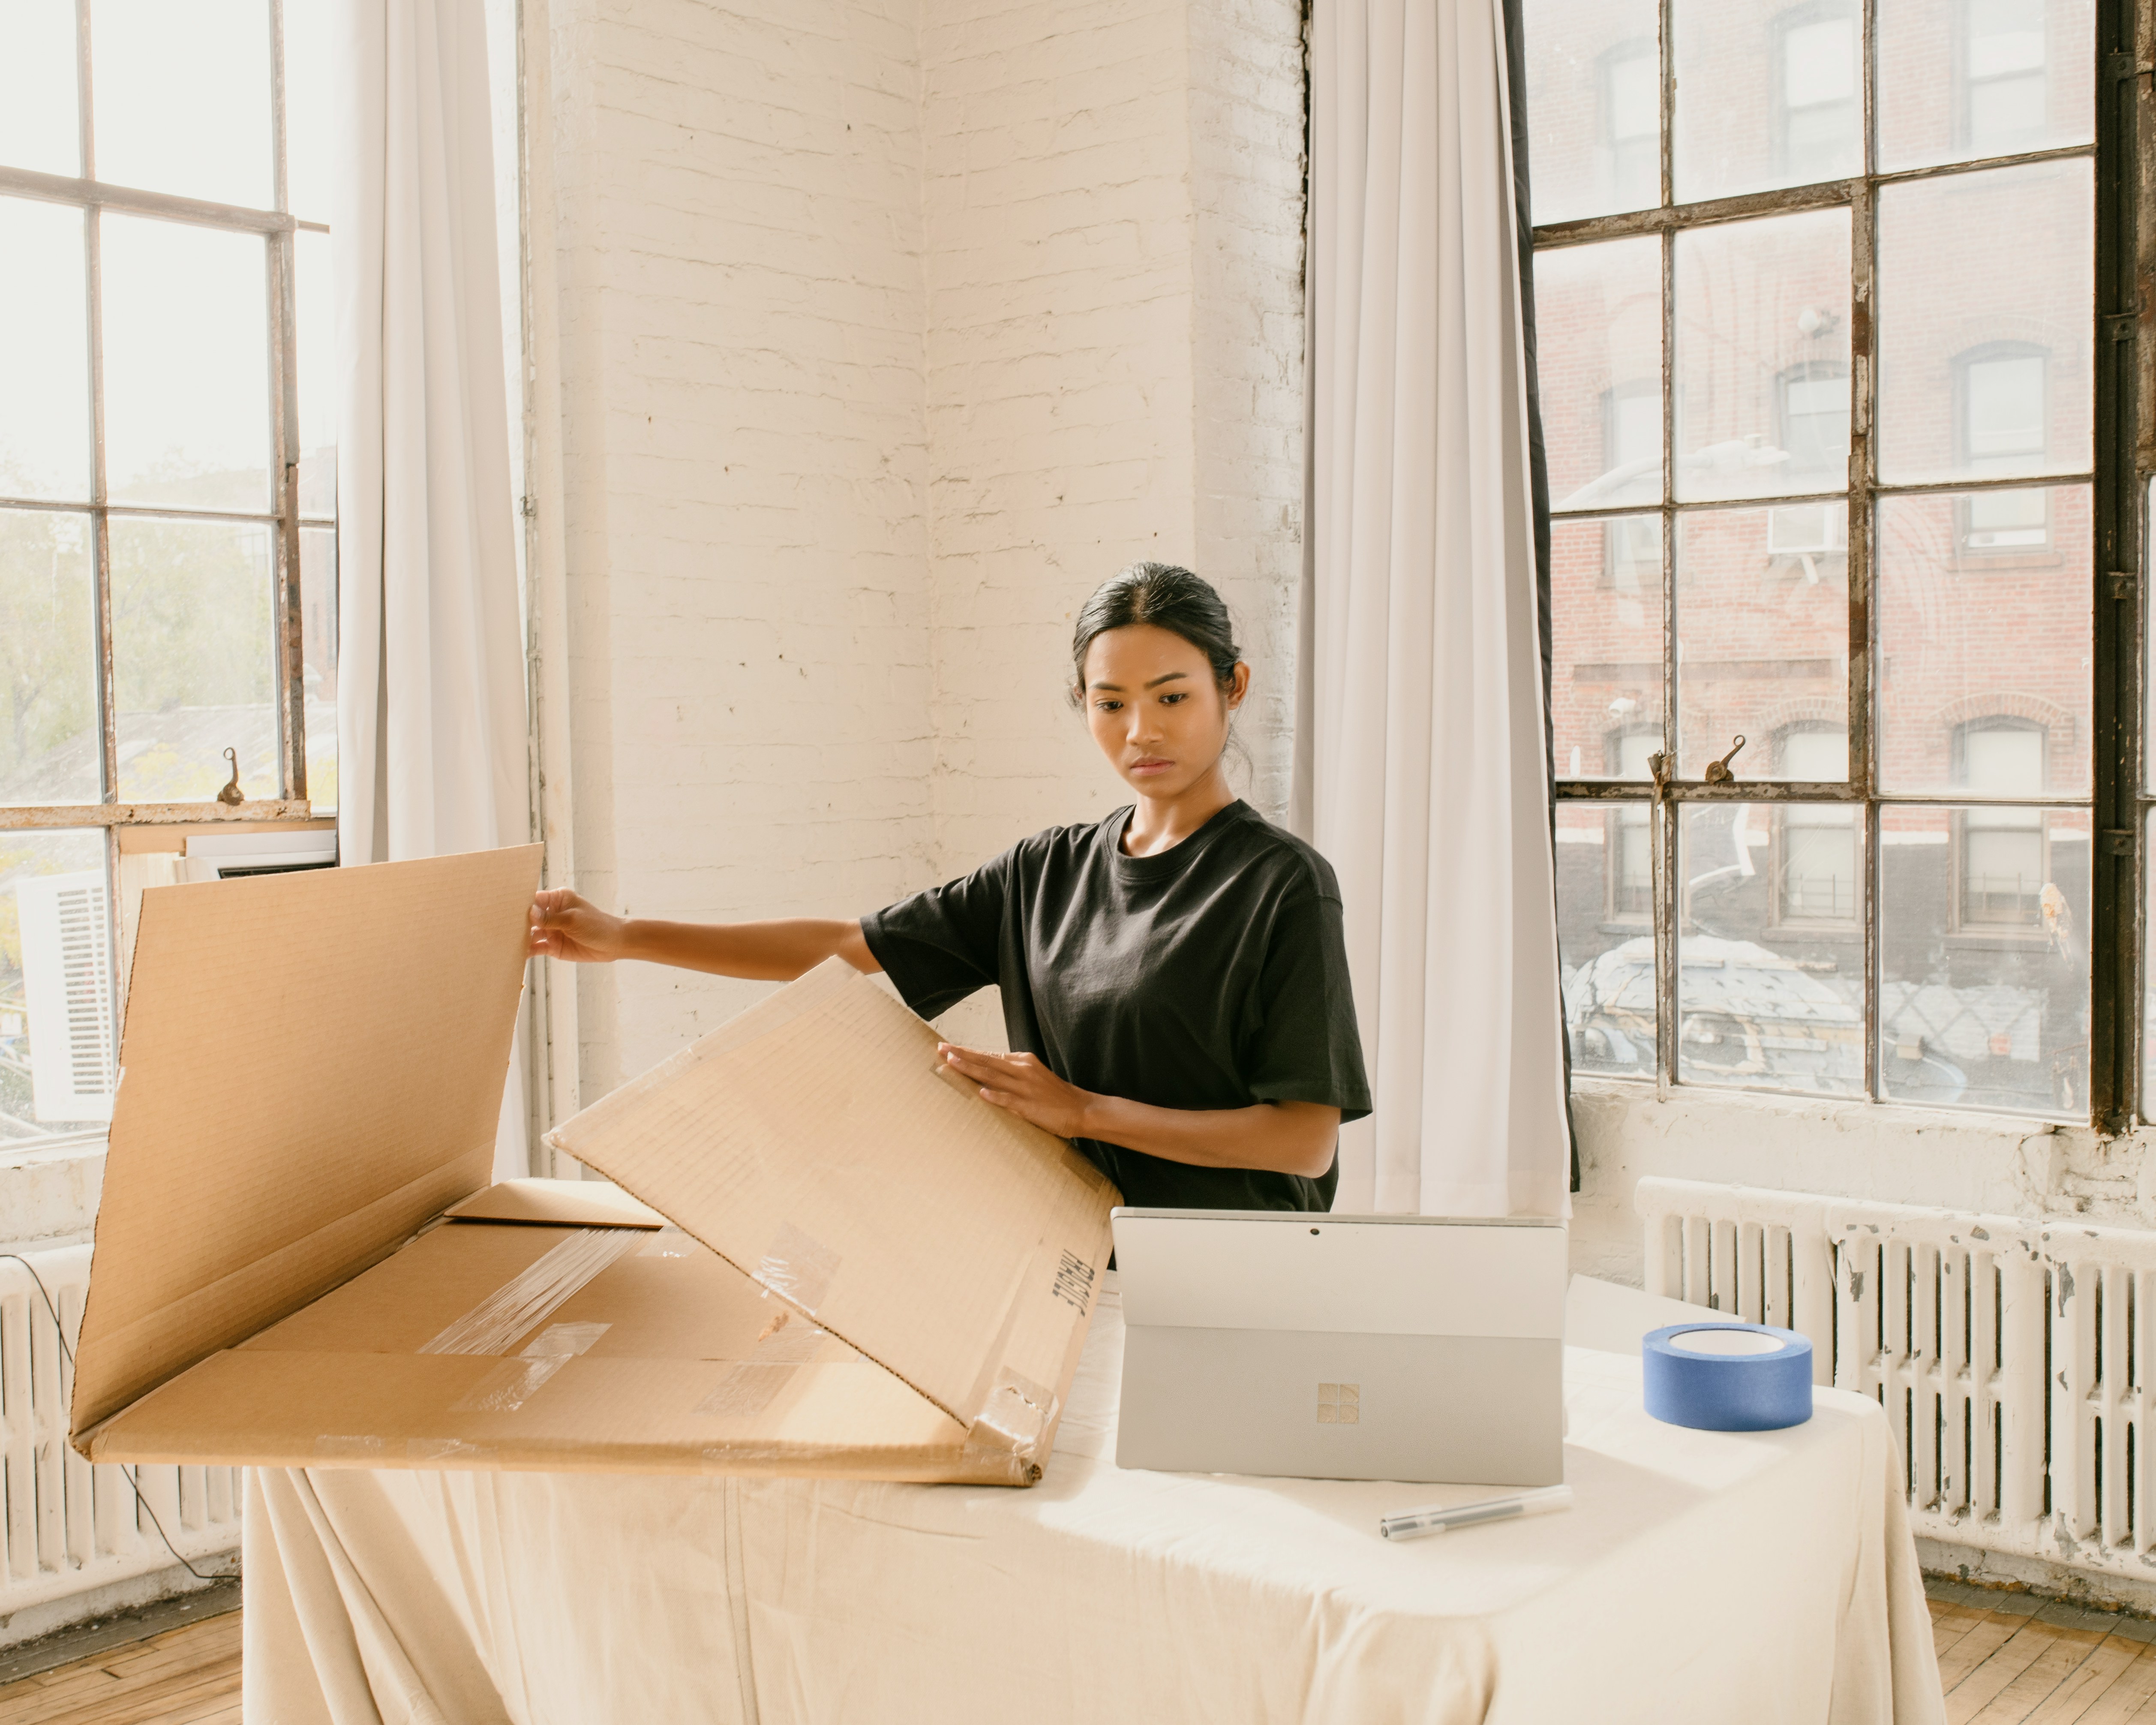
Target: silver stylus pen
1414 1523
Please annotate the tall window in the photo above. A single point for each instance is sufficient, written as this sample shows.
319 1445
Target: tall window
1631 123
1876 371
1816 88
1632 859
1818 867
1814 421
2004 423
2002 852
2004 75
167 484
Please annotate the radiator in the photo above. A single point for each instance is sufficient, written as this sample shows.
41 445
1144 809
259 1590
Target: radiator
2014 1357
70 1527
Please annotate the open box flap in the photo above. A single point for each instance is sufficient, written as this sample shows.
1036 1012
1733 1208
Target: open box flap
810 1142
311 1067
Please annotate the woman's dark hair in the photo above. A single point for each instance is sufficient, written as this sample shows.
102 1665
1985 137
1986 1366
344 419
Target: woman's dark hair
1168 598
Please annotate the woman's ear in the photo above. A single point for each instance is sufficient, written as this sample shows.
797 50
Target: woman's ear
1239 684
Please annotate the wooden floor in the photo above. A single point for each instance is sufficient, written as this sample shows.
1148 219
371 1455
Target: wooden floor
184 1676
2012 1657
2004 1659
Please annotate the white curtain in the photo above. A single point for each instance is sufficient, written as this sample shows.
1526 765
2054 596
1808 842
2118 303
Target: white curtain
431 732
1428 772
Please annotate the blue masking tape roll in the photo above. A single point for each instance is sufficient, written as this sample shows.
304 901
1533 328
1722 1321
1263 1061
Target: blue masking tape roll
1727 1377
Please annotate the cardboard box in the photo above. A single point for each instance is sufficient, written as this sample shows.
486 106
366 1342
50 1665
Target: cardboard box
846 1264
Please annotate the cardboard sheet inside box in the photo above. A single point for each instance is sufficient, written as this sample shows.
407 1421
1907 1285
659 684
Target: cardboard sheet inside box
822 1258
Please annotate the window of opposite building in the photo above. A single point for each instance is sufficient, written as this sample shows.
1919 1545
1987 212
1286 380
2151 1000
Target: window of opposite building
2002 75
1631 123
1844 380
1818 861
1817 87
2003 422
167 477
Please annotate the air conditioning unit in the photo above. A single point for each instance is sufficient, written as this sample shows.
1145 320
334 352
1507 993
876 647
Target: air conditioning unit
226 856
67 989
1807 529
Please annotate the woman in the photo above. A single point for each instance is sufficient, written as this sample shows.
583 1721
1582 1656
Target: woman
1174 978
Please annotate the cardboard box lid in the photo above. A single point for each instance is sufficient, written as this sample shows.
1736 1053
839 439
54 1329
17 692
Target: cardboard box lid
668 1359
810 1142
311 1067
557 1204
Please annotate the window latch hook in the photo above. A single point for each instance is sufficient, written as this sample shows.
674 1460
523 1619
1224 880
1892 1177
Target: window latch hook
232 796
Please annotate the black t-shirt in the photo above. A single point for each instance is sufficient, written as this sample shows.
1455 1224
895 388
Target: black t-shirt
1213 975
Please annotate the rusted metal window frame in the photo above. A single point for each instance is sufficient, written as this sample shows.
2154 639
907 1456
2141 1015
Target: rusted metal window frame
2124 455
277 227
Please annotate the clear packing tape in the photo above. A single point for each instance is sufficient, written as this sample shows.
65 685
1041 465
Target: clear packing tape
752 1385
512 1383
491 1326
1014 1418
1010 1427
528 1300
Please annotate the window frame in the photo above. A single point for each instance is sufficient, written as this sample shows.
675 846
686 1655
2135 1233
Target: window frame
2123 454
277 227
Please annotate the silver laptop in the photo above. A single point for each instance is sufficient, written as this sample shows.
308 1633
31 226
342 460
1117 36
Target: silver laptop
1349 1348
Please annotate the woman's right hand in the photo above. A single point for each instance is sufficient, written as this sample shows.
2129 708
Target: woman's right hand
564 925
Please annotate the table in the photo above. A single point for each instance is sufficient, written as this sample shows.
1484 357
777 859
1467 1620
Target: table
1706 1576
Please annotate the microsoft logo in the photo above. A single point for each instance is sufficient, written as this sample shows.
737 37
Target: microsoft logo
1339 1405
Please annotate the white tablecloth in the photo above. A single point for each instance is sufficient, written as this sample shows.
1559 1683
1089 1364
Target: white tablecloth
1701 1576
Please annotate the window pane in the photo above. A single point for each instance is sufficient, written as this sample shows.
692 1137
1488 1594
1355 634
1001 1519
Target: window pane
315 332
318 614
1984 636
58 1061
181 98
1763 357
1605 899
1593 107
1598 332
193 658
1606 642
39 127
45 353
1768 998
1767 95
307 100
1985 301
186 365
1763 641
48 722
1962 80
1983 956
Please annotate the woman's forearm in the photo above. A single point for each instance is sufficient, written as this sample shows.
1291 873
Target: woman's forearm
1279 1137
1284 1137
776 951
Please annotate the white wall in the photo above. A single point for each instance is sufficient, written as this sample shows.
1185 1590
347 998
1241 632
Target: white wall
1973 1163
738 242
886 331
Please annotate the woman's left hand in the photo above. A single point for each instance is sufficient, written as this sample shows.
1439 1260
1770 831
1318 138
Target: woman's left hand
1022 1085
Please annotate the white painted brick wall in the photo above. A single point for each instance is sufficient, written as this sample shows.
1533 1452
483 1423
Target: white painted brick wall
888 330
1246 126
